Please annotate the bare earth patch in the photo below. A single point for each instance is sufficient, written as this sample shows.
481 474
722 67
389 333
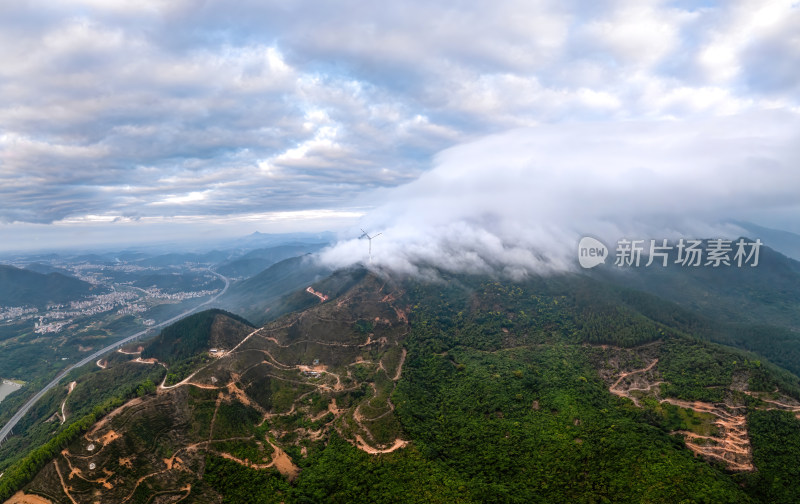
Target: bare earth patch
282 353
109 437
398 443
99 425
322 297
729 445
283 463
23 498
239 394
400 365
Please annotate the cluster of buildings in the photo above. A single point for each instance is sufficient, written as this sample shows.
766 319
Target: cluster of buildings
157 293
52 327
132 309
127 301
17 312
111 299
93 305
89 272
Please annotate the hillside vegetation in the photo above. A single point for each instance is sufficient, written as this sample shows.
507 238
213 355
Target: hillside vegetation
256 298
384 389
195 334
19 287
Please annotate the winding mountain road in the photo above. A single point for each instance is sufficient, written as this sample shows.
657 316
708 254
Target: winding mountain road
9 426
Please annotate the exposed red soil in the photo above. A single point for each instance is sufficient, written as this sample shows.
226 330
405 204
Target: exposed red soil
64 487
99 425
23 498
398 443
322 297
730 445
400 365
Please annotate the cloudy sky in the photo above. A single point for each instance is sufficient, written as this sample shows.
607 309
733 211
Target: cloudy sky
129 121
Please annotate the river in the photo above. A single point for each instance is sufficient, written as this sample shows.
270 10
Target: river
7 387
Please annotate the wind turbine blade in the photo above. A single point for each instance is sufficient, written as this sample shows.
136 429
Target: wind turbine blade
377 235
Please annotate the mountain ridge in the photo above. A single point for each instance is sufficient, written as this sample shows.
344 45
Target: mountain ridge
19 287
564 384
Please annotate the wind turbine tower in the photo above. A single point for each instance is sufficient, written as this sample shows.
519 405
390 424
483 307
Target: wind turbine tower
370 242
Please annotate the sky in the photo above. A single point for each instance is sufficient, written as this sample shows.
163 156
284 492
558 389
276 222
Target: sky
471 132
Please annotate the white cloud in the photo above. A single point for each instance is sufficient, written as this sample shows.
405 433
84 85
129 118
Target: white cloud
294 106
518 202
638 34
192 197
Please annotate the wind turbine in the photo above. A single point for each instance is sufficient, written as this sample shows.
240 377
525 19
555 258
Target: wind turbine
370 242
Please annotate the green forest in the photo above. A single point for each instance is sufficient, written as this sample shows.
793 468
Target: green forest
503 403
505 396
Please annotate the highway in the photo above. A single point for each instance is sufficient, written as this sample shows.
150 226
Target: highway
9 426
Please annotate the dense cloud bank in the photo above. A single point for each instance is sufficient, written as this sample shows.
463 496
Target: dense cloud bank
518 202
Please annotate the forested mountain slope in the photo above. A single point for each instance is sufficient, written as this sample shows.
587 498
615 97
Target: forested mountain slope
20 287
755 308
470 389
